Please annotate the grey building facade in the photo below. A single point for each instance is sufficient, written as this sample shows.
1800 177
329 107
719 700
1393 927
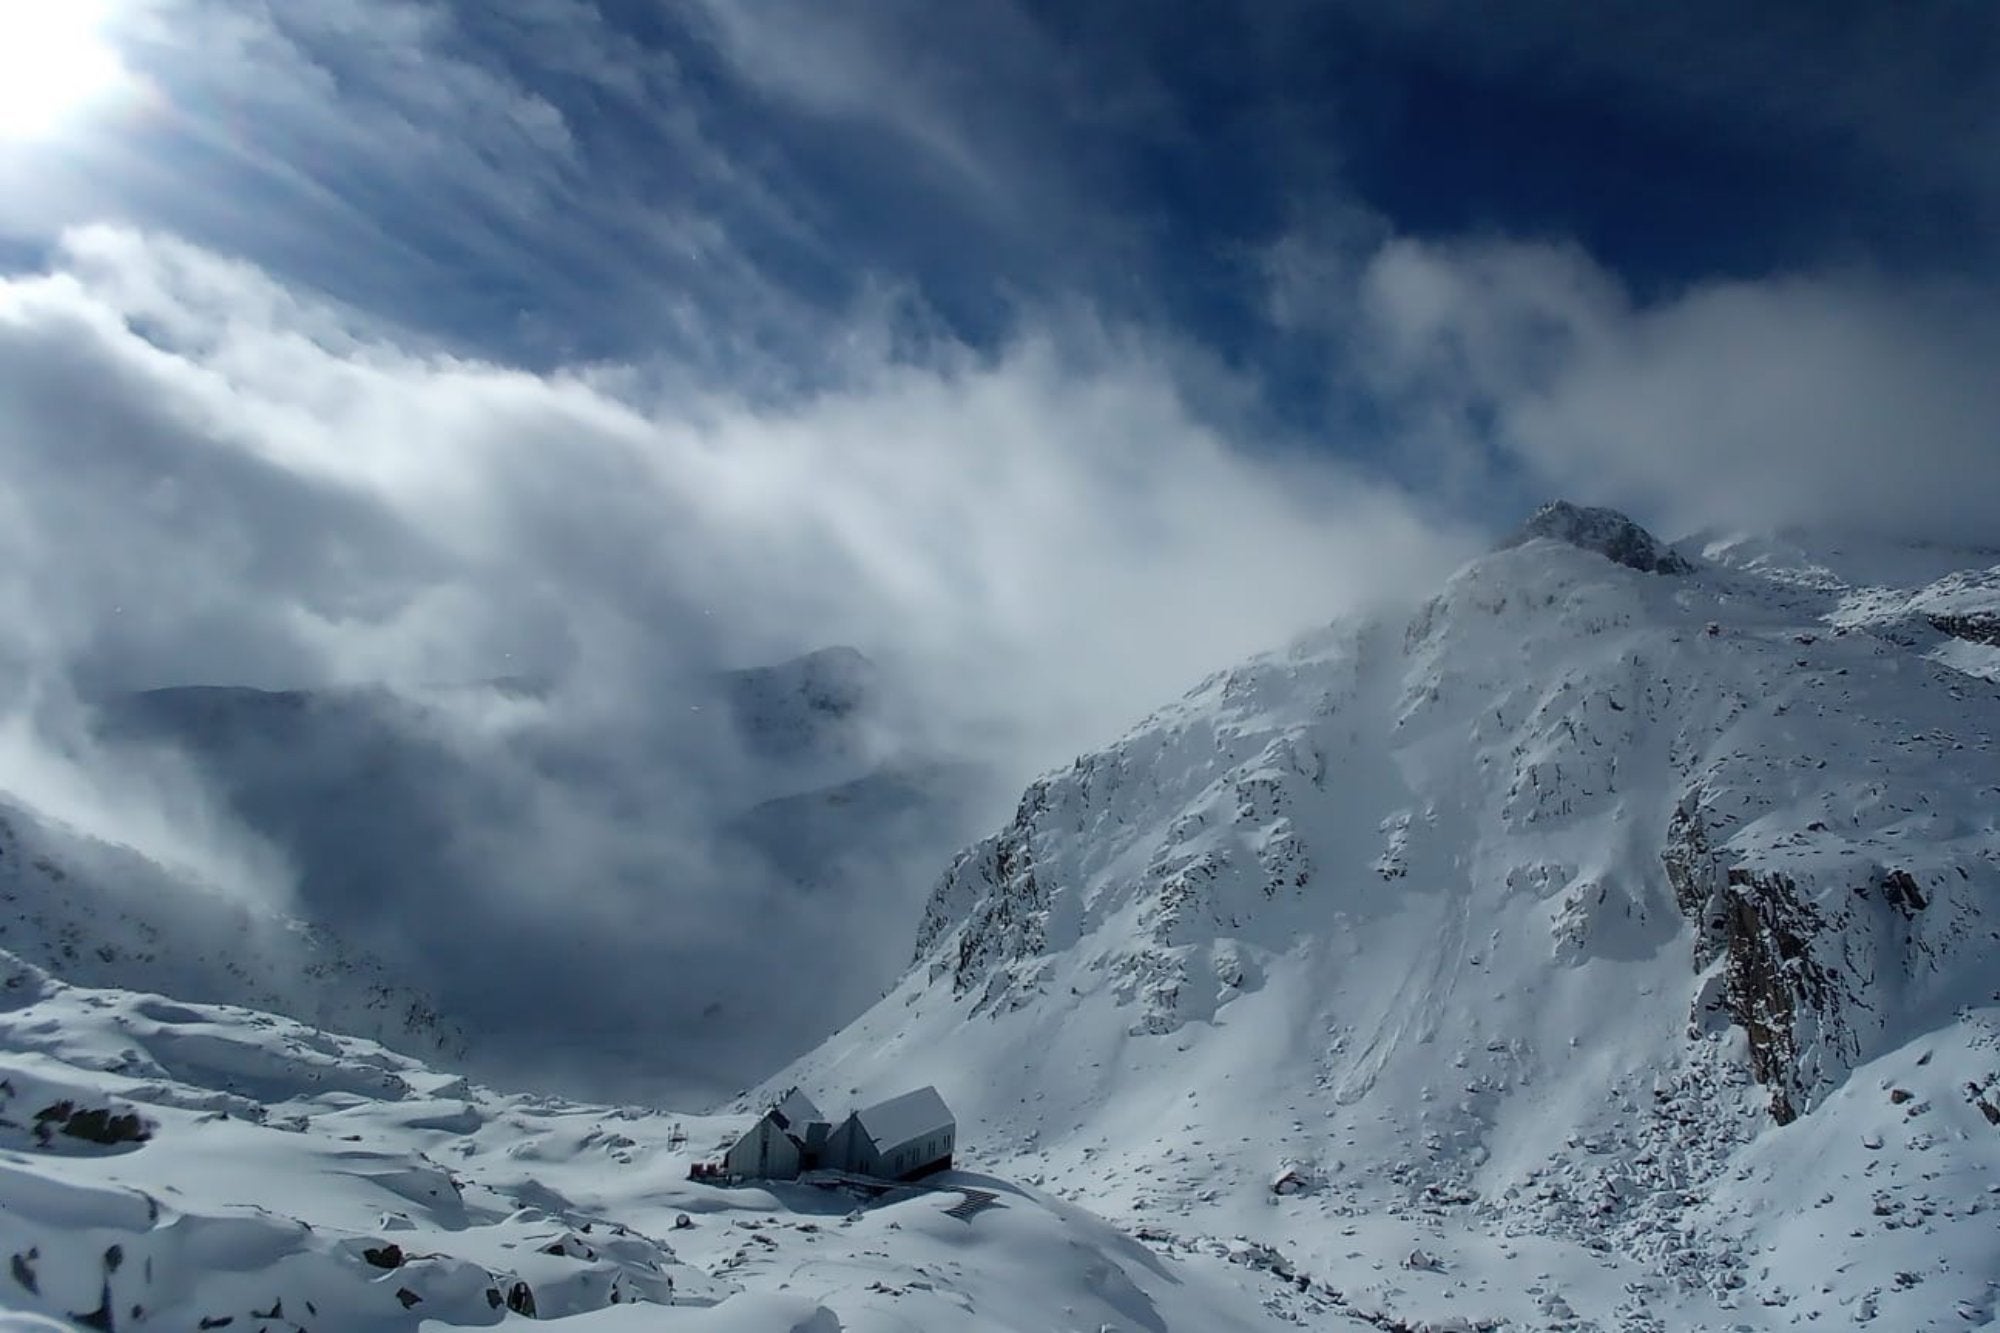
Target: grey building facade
899 1139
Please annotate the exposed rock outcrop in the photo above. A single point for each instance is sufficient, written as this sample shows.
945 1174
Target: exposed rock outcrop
1974 627
1792 961
1605 531
1759 930
993 890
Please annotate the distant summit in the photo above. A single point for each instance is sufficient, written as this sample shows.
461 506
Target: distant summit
1605 531
812 706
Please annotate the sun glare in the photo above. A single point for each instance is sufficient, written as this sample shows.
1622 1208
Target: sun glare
53 59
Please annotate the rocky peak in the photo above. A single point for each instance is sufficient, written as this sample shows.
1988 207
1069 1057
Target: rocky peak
1605 531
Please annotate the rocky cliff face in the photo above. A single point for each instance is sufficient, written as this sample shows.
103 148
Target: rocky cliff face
1756 934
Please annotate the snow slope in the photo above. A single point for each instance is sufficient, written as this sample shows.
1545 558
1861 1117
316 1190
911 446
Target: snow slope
175 1166
1617 941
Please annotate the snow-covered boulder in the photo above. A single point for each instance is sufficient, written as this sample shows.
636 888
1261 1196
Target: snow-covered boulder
1293 1177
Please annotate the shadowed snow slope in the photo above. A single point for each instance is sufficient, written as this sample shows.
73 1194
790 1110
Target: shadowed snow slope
102 914
1624 941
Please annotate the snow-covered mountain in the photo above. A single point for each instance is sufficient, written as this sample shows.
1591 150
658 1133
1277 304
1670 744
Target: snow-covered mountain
1619 930
818 839
313 767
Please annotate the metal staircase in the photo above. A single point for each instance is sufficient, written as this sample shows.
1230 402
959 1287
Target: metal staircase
974 1203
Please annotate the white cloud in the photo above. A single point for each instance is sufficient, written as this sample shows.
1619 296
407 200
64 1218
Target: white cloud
1825 398
219 480
1059 494
928 77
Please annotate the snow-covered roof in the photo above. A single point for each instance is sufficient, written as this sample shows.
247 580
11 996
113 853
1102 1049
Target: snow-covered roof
914 1115
795 1111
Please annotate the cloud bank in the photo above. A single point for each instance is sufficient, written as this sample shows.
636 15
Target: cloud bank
1826 398
218 480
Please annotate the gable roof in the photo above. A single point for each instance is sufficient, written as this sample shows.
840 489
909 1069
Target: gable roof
914 1115
795 1110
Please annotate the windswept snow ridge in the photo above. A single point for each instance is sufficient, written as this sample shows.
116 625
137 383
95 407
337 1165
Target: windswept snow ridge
1941 601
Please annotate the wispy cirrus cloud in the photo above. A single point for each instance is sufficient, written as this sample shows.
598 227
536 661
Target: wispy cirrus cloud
539 184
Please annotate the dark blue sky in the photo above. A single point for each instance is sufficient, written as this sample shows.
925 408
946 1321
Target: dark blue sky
978 158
